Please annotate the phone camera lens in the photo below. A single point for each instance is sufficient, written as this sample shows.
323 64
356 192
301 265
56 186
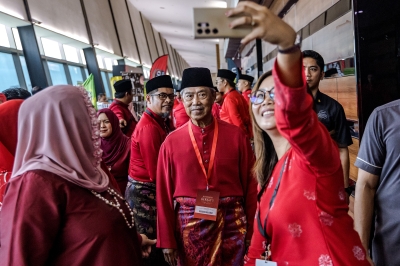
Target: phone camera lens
199 24
215 31
207 25
207 31
199 31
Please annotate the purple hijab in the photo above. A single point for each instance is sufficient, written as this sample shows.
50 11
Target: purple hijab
58 132
117 144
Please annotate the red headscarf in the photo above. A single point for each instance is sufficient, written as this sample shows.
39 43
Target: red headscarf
117 145
8 140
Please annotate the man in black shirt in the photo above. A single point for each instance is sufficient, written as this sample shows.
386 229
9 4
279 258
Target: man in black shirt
330 112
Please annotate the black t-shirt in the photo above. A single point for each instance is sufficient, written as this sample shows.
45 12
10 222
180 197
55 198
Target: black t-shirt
331 114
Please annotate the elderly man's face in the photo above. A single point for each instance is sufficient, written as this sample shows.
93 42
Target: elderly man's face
198 102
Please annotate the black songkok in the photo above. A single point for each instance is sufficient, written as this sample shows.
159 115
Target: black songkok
226 74
159 82
246 77
196 77
123 85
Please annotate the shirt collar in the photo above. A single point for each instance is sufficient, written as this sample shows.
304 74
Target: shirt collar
120 103
203 130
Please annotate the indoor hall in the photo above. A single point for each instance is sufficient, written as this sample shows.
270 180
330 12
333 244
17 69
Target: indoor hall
46 43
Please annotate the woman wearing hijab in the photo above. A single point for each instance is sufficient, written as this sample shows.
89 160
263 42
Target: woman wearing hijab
8 141
60 207
115 145
302 211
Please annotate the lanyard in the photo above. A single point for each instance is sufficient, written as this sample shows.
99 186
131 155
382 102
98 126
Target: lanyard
261 229
197 151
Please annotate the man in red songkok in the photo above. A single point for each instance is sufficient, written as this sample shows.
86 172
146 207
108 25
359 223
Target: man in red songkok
244 86
209 176
149 134
235 110
124 96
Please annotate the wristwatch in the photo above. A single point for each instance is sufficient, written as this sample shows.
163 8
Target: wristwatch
296 46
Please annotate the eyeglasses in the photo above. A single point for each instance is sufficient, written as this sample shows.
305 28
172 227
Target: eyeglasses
188 96
258 96
163 96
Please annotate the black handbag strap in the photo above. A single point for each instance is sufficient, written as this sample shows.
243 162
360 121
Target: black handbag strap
262 228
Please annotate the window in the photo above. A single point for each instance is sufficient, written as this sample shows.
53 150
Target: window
83 57
106 83
57 73
17 39
71 54
51 48
26 73
3 36
8 74
76 75
86 72
100 61
108 62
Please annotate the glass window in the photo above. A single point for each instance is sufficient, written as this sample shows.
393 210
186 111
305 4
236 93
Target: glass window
106 83
17 39
108 62
86 72
8 74
26 73
71 54
51 48
100 61
76 75
3 36
57 73
83 57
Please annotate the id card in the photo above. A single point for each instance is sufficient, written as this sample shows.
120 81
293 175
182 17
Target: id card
266 263
206 205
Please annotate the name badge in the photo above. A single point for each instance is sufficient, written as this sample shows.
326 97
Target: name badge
266 263
206 205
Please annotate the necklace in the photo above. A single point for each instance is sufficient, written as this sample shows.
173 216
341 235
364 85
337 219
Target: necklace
115 203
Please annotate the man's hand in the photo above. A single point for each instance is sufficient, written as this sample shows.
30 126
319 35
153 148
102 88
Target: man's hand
122 123
146 245
170 256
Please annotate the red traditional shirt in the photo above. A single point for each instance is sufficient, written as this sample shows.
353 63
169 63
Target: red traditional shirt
149 134
246 95
180 116
308 222
215 110
122 112
235 111
47 220
179 173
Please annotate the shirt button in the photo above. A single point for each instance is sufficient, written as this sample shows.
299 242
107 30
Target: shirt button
206 161
202 131
205 151
204 143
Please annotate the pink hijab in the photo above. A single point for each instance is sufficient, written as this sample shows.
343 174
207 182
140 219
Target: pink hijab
58 132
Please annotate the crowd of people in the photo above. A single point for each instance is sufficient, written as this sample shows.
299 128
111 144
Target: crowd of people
209 175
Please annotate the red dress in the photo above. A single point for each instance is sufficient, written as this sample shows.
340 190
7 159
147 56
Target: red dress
47 220
308 223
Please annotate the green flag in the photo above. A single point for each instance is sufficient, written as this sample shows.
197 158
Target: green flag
89 87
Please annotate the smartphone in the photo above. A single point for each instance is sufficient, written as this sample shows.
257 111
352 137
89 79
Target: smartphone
210 23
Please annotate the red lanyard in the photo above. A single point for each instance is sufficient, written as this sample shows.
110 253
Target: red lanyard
213 149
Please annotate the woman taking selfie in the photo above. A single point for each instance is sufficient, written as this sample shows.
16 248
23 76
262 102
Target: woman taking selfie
302 212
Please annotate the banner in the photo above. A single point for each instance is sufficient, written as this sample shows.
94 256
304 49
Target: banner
159 67
89 87
232 67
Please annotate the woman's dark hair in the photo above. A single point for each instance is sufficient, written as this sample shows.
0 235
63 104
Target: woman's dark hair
266 157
